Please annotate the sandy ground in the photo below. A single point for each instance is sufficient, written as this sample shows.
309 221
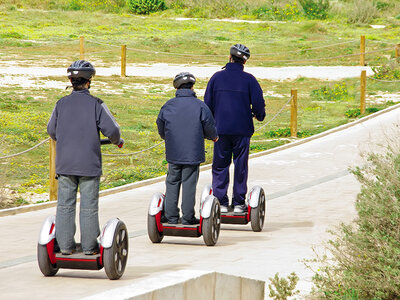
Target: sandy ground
36 77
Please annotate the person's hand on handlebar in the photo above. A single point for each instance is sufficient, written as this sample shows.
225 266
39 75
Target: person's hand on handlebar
121 143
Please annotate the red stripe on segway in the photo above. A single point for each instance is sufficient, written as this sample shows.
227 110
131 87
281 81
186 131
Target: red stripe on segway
201 225
50 251
158 222
76 259
101 255
248 213
181 228
51 228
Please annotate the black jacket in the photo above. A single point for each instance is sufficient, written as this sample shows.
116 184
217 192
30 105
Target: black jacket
184 122
75 125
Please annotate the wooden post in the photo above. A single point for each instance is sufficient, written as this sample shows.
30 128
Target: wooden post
82 47
52 181
123 61
362 51
363 84
293 113
397 51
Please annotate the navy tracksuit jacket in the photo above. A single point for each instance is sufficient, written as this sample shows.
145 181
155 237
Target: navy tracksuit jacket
233 97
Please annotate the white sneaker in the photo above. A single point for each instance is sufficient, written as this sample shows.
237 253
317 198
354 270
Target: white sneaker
224 209
240 208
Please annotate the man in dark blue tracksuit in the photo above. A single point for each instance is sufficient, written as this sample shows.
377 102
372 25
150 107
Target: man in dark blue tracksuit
184 122
233 97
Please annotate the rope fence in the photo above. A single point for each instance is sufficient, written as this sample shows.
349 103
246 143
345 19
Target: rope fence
292 99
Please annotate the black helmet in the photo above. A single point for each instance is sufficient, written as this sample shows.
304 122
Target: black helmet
182 78
240 51
81 69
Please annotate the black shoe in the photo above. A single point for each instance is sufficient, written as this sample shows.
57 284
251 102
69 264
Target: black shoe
68 252
92 252
193 221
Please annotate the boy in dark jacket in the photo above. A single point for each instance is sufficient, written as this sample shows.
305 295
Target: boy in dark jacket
233 97
184 122
75 124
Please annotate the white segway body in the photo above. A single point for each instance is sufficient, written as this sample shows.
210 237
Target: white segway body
256 207
113 251
209 221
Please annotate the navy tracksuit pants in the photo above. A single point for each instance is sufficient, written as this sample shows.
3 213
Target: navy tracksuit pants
228 146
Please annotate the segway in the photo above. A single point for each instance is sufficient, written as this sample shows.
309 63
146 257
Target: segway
255 214
113 245
210 220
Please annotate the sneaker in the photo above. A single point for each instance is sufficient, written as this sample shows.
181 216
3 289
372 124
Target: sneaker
224 209
92 252
194 221
240 208
68 252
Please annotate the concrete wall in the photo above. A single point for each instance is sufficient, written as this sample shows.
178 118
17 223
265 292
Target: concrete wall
193 285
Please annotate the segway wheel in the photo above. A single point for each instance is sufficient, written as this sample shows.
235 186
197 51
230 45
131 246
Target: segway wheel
257 214
212 225
152 230
116 257
45 266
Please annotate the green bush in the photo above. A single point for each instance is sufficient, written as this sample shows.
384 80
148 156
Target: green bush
315 9
290 11
338 92
282 288
144 7
364 256
388 71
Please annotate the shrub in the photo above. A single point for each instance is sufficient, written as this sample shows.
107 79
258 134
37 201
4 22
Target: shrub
364 261
315 9
388 71
144 7
273 11
363 11
282 288
326 93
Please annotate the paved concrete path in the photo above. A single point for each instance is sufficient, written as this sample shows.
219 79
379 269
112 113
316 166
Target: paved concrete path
309 190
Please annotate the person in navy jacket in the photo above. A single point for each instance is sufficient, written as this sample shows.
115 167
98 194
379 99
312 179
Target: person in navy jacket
234 97
184 122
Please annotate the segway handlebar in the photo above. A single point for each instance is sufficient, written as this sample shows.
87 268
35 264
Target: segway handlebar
107 141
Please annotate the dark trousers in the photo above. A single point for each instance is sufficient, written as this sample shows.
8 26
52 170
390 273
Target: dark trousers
226 147
187 176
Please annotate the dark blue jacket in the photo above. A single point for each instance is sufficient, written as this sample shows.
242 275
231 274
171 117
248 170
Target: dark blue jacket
233 96
184 122
75 124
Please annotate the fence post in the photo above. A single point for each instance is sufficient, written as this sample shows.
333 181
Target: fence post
397 51
363 84
293 113
82 47
362 51
123 61
52 179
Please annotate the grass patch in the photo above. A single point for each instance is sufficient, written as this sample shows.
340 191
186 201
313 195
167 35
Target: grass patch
24 114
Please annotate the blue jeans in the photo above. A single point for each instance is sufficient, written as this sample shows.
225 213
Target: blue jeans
225 148
88 215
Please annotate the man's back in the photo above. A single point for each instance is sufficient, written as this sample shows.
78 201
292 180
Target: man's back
184 122
233 95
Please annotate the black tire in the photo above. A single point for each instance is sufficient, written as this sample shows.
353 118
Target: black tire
257 214
45 266
152 230
211 225
116 257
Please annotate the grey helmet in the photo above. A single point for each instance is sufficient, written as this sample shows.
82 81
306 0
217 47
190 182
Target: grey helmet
182 78
240 51
81 69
